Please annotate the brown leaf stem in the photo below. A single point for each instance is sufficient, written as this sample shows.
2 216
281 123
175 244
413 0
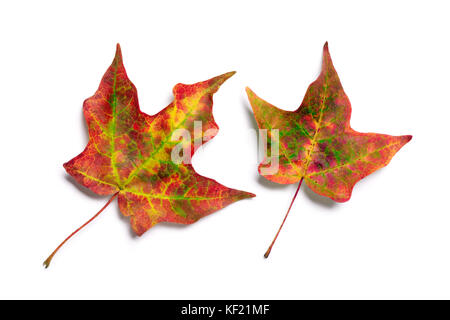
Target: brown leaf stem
49 259
266 255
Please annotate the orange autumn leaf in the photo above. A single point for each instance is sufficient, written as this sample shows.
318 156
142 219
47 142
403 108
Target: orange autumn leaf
129 153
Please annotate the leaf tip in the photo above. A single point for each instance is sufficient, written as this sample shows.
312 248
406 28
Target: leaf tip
249 195
67 167
404 139
213 84
253 99
326 51
241 195
118 55
250 94
224 77
327 63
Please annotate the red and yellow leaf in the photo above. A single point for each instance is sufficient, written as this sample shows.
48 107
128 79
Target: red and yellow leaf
129 152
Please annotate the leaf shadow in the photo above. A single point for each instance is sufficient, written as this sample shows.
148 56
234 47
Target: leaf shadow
134 236
173 225
318 199
83 189
249 114
85 128
126 220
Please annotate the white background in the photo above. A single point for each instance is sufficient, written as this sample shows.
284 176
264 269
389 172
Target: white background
391 240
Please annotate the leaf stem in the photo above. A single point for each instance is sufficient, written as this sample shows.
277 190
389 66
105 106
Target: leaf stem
266 255
50 257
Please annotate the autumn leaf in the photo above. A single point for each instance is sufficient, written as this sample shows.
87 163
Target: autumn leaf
317 144
129 152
